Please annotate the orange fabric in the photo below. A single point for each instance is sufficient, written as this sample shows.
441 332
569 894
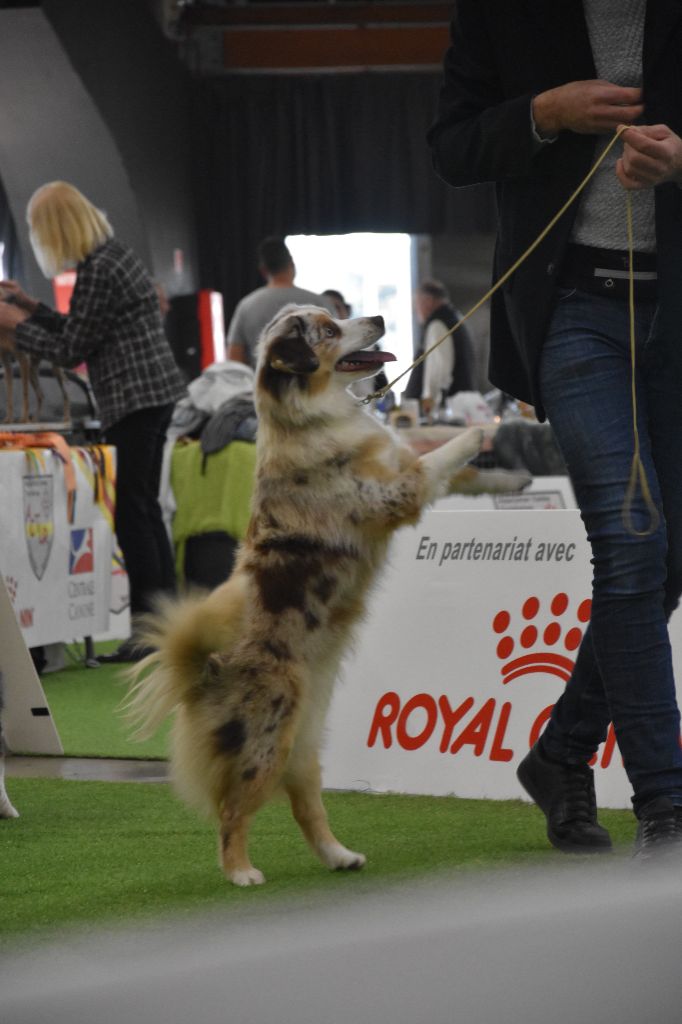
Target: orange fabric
47 439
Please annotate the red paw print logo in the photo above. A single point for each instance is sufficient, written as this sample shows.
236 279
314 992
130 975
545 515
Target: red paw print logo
542 636
12 587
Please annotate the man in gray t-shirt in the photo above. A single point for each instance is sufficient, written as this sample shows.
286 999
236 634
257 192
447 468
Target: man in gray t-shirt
257 309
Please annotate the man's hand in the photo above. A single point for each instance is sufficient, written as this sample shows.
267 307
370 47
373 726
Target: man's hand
10 316
593 107
652 154
19 296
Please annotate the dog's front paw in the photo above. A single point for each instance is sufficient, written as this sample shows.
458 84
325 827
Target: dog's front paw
511 480
246 876
338 858
442 462
471 442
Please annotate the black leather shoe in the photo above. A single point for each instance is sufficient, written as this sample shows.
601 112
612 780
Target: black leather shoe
565 795
128 651
659 833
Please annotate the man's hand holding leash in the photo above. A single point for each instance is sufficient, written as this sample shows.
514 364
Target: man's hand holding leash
652 155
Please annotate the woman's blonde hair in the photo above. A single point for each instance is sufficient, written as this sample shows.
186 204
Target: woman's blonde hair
64 227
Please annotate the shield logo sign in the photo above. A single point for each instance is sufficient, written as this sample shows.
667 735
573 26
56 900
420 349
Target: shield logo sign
39 521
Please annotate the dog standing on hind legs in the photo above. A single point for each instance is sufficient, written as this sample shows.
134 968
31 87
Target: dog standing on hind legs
249 669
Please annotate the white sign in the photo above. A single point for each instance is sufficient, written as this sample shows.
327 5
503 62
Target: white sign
27 722
543 492
57 571
471 638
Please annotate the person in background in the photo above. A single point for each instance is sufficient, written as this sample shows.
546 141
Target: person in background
532 93
342 311
450 367
114 324
257 309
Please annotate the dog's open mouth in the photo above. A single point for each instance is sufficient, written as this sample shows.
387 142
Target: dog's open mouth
368 359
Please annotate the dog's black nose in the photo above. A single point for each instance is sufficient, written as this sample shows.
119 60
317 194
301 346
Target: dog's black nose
378 320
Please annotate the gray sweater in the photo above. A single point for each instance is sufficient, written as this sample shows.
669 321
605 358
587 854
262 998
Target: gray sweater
616 29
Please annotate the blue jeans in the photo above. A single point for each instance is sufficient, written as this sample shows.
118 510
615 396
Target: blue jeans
623 671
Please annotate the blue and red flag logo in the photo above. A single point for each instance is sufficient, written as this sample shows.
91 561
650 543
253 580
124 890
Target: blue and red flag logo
81 552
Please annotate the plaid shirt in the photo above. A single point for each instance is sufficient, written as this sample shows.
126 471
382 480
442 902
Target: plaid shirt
114 324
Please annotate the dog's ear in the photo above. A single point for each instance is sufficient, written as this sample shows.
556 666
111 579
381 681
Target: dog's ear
214 669
290 352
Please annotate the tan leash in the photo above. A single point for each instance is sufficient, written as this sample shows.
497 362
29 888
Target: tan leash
637 472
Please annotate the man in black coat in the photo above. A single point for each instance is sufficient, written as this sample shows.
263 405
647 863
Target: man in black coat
450 366
532 93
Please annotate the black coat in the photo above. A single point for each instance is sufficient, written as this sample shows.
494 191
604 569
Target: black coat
463 346
502 53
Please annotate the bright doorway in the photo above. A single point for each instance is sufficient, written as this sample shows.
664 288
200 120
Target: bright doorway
374 274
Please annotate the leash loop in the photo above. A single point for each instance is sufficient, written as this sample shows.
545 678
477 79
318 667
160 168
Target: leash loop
637 470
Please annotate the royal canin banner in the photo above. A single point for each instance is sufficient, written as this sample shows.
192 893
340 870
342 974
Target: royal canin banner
471 637
56 553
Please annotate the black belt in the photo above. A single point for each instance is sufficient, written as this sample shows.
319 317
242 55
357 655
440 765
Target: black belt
606 272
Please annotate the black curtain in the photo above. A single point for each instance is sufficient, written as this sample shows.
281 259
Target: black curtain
316 154
11 258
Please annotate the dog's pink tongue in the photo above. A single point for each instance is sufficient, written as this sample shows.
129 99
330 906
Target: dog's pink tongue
369 356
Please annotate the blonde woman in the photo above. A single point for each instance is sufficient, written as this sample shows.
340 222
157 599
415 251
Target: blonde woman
114 325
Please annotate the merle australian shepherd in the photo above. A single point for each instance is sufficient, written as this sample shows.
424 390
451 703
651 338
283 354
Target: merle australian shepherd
248 670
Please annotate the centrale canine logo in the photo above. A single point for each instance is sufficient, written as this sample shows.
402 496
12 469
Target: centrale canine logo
81 552
540 635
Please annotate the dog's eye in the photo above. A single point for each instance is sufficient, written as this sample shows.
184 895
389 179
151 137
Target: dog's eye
330 332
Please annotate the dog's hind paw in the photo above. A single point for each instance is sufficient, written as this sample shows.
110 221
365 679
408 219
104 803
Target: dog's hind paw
338 858
246 876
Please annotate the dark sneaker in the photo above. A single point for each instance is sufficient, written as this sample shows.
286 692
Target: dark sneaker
128 651
659 833
565 795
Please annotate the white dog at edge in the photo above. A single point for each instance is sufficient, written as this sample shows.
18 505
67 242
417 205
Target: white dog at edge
6 808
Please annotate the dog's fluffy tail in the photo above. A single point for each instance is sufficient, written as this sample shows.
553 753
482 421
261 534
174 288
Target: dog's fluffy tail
184 633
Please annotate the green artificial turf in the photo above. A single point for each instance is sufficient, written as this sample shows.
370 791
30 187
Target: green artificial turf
87 853
84 705
104 852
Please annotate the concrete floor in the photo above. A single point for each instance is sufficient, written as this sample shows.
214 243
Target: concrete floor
86 769
528 945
